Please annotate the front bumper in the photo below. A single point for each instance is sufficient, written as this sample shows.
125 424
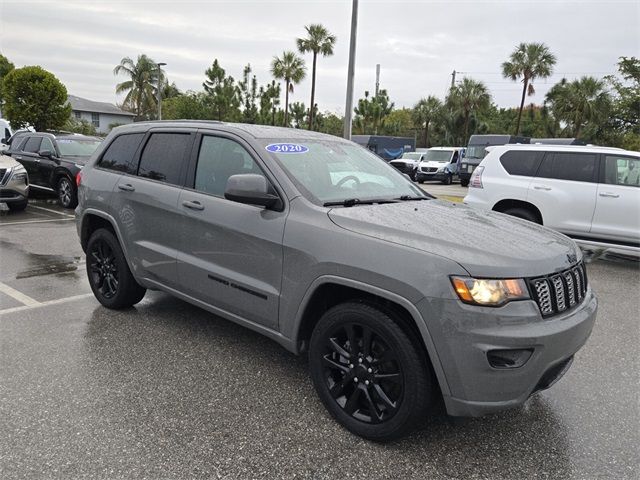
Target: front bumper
14 190
409 170
465 334
437 176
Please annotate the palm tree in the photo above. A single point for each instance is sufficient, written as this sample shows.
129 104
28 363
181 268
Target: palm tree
318 41
579 102
424 112
528 61
467 97
141 86
291 69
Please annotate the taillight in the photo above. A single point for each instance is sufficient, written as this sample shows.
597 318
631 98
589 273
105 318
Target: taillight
476 178
78 178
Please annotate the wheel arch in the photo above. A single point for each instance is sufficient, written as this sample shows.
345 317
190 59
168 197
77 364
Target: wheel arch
328 291
508 203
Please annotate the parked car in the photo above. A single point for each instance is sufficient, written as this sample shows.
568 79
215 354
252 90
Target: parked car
317 243
14 183
5 134
408 163
440 163
589 193
476 151
54 161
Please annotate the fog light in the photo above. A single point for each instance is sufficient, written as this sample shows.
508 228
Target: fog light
509 358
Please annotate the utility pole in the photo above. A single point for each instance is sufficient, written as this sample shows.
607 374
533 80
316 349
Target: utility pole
348 109
160 89
377 79
453 79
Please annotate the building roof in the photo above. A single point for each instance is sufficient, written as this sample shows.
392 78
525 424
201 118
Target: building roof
83 105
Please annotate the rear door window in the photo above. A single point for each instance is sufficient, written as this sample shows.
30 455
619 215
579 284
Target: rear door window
620 170
164 156
521 162
32 145
119 155
579 167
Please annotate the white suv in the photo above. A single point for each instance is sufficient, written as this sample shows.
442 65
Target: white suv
591 194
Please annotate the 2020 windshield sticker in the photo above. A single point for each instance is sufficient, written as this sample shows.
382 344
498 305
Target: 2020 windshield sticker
287 148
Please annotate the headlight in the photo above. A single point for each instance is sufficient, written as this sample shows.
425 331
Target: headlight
441 169
488 292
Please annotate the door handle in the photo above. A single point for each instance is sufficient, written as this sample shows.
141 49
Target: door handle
194 205
607 194
538 187
18 157
127 187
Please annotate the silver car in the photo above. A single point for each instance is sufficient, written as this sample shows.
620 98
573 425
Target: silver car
14 184
397 298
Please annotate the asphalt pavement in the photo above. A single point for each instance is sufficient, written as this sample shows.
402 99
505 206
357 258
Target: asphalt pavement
166 390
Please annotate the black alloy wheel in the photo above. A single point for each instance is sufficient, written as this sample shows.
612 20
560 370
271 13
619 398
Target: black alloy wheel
104 272
370 371
362 373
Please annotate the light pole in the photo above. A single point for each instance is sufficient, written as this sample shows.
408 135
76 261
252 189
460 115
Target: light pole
160 89
348 109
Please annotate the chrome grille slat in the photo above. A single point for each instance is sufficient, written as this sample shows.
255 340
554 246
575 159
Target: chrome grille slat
561 291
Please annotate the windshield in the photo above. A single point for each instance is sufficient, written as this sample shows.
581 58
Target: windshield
476 151
442 156
77 148
411 156
334 171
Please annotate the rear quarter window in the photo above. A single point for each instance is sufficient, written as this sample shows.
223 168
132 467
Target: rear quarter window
579 167
521 162
119 155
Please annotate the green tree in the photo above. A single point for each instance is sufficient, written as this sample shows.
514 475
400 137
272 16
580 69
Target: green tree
141 86
625 116
269 101
35 97
371 112
318 41
330 123
468 97
189 105
223 92
5 67
79 126
292 70
248 89
579 103
424 113
528 62
298 113
399 123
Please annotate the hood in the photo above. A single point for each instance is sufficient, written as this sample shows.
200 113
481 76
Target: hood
403 160
78 160
433 164
7 162
485 243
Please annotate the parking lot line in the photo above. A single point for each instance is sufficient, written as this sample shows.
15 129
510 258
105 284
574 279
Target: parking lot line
37 221
19 296
45 304
52 211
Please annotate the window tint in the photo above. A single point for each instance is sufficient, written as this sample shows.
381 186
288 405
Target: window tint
32 145
520 162
568 166
622 170
163 157
16 141
219 158
119 155
47 145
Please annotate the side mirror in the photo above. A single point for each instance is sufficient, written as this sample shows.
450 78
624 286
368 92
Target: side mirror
45 153
252 189
4 140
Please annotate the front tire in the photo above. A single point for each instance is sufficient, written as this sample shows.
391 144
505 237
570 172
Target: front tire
464 183
368 372
67 193
109 276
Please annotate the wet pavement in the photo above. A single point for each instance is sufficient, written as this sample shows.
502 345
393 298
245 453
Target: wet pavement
166 390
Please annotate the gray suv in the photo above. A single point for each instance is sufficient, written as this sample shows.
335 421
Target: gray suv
400 300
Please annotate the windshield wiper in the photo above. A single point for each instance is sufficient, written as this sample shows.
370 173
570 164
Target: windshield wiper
350 202
408 198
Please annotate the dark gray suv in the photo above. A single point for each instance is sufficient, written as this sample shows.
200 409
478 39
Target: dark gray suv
398 299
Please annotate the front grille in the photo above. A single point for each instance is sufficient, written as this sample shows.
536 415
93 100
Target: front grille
560 292
429 169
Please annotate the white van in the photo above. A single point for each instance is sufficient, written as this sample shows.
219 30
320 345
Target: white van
5 134
440 163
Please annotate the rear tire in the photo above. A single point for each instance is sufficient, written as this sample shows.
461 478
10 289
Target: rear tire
109 276
464 183
18 206
523 213
370 375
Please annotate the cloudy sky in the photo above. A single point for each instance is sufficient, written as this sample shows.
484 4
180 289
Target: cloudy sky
418 43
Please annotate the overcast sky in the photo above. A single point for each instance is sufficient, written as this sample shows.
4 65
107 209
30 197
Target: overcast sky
418 43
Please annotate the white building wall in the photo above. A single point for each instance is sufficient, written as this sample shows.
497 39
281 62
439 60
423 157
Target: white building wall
105 119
